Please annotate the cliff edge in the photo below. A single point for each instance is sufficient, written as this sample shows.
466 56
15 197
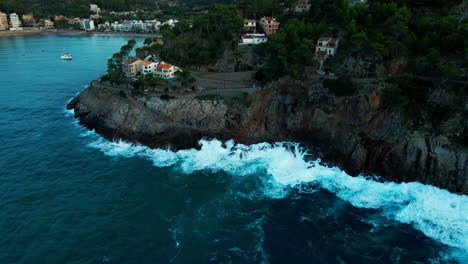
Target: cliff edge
359 133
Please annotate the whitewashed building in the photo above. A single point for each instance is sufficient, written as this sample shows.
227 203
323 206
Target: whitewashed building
252 39
166 71
148 67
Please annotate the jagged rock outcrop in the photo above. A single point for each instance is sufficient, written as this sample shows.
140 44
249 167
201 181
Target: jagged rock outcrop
359 133
363 64
242 59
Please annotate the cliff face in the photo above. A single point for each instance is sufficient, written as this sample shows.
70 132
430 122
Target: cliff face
357 133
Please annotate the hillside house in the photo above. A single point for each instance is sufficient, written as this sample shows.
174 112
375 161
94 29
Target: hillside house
270 25
325 47
166 71
302 6
250 24
252 39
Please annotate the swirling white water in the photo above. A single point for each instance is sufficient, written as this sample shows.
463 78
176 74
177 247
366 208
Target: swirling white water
437 213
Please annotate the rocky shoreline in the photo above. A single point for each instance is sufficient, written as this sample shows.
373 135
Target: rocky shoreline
358 133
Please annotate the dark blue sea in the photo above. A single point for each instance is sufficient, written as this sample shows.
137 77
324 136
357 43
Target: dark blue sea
69 196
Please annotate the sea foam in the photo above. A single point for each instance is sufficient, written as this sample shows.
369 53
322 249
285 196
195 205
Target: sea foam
437 213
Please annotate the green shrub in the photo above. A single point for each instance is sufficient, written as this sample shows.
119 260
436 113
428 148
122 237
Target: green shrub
394 95
122 94
343 86
166 97
208 97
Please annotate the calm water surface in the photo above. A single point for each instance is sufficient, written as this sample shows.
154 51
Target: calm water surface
68 196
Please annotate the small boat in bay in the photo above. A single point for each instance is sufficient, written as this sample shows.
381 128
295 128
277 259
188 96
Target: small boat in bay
67 56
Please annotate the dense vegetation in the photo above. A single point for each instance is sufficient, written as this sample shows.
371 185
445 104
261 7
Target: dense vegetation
423 31
206 39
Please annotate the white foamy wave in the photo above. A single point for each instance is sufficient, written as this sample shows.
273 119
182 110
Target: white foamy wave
439 214
70 112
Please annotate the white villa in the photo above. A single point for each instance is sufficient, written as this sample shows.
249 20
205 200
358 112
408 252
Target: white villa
148 67
326 47
166 71
252 39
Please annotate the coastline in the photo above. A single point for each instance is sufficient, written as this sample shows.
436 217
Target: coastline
358 133
72 32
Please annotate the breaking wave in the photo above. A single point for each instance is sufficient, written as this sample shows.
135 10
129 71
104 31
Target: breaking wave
437 213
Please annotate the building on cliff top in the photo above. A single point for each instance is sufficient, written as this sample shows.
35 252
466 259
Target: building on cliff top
131 67
148 67
325 47
166 71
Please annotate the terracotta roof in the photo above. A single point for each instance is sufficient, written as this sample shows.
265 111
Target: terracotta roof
269 18
250 20
164 66
146 63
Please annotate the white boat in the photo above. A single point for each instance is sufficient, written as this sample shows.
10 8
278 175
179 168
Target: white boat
67 56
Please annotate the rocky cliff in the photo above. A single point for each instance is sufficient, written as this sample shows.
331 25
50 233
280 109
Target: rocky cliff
359 133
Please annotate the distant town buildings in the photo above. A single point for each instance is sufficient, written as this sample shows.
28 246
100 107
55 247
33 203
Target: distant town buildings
140 26
325 47
302 6
29 19
250 24
94 8
252 39
48 24
3 21
270 25
15 23
87 24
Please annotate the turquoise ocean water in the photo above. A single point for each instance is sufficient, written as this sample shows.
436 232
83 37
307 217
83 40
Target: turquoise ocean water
69 196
